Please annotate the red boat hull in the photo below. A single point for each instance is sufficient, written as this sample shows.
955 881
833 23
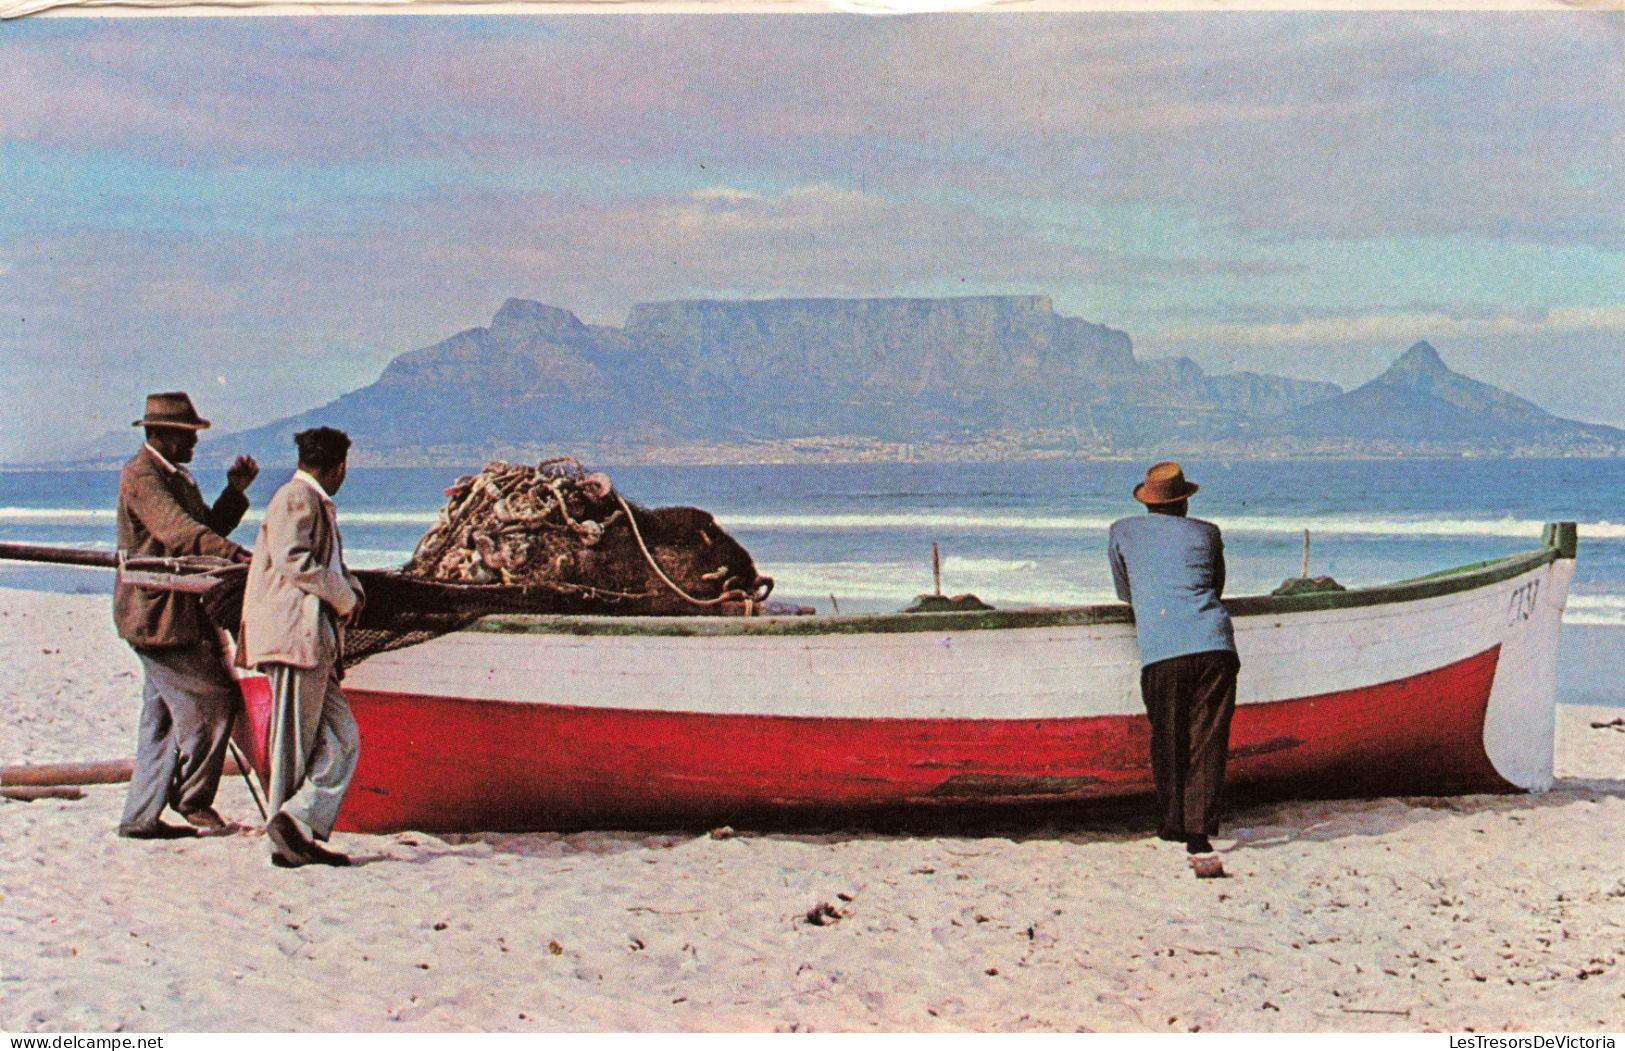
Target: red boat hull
438 764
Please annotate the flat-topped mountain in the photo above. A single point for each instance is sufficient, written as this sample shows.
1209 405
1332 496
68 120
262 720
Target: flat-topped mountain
890 370
980 375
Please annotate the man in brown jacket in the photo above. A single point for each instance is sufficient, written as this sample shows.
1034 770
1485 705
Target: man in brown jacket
300 597
190 696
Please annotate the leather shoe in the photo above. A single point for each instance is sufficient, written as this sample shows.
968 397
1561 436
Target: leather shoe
322 856
289 847
208 822
156 830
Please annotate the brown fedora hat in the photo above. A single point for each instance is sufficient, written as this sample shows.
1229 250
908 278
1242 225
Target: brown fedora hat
1164 484
171 409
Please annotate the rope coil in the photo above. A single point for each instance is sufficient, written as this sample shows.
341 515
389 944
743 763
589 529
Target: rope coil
734 595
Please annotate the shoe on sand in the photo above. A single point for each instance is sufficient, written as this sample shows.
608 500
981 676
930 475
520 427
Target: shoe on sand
208 822
156 830
322 856
1207 866
289 847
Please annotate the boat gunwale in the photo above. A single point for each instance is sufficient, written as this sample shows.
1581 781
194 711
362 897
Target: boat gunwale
1446 582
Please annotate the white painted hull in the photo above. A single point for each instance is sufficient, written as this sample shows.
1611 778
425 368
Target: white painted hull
524 722
1014 673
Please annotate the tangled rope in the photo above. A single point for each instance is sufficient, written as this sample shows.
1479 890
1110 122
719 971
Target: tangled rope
514 524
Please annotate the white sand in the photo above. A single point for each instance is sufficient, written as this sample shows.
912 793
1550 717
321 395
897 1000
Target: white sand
1483 912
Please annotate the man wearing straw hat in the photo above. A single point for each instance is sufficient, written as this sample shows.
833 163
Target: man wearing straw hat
190 696
1171 569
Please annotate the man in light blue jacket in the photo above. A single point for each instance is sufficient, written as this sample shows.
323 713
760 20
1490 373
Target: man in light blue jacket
299 598
1171 569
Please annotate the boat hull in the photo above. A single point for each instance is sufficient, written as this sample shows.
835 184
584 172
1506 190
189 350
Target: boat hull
561 723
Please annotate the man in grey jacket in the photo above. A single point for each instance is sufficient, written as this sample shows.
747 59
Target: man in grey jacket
299 598
1171 569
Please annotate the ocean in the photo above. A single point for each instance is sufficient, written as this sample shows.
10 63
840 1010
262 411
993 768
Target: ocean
859 536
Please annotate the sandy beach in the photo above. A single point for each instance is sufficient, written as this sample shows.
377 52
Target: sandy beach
1483 913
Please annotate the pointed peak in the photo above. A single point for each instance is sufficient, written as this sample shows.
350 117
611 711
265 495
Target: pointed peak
1419 356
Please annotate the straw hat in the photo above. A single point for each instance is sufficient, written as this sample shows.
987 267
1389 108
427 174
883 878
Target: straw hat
171 409
1164 484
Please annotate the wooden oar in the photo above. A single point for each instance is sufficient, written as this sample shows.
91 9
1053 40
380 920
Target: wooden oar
195 574
248 778
65 556
28 795
104 772
60 780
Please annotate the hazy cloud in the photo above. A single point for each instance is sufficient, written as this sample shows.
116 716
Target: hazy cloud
1303 125
289 202
1396 326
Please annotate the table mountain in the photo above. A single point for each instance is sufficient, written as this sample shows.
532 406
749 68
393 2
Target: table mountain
887 370
1000 375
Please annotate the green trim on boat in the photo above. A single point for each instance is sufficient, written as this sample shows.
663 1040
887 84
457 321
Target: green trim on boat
1564 536
1447 582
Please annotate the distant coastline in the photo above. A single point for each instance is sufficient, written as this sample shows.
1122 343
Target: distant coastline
841 449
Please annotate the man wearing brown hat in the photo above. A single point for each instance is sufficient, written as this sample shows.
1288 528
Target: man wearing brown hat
190 695
1171 569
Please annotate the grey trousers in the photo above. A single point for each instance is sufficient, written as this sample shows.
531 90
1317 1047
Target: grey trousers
314 745
187 707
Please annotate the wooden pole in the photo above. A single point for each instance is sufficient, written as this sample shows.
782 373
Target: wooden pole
194 574
1305 573
67 556
936 568
105 772
241 764
28 795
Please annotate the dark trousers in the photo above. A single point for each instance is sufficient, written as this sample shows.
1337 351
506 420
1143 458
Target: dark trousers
1189 700
187 707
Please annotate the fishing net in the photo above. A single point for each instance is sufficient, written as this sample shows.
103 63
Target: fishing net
516 524
550 538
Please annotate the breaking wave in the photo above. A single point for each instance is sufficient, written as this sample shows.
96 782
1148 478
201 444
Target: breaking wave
1595 610
961 564
1345 524
999 581
375 558
57 516
98 515
945 520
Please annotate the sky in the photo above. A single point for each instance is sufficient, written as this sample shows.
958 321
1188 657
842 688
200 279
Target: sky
265 211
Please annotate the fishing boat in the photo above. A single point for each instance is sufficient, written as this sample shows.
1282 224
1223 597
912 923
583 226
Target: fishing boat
1440 685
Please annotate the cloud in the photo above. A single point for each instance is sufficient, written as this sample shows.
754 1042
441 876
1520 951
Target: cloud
1286 125
289 202
1392 327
